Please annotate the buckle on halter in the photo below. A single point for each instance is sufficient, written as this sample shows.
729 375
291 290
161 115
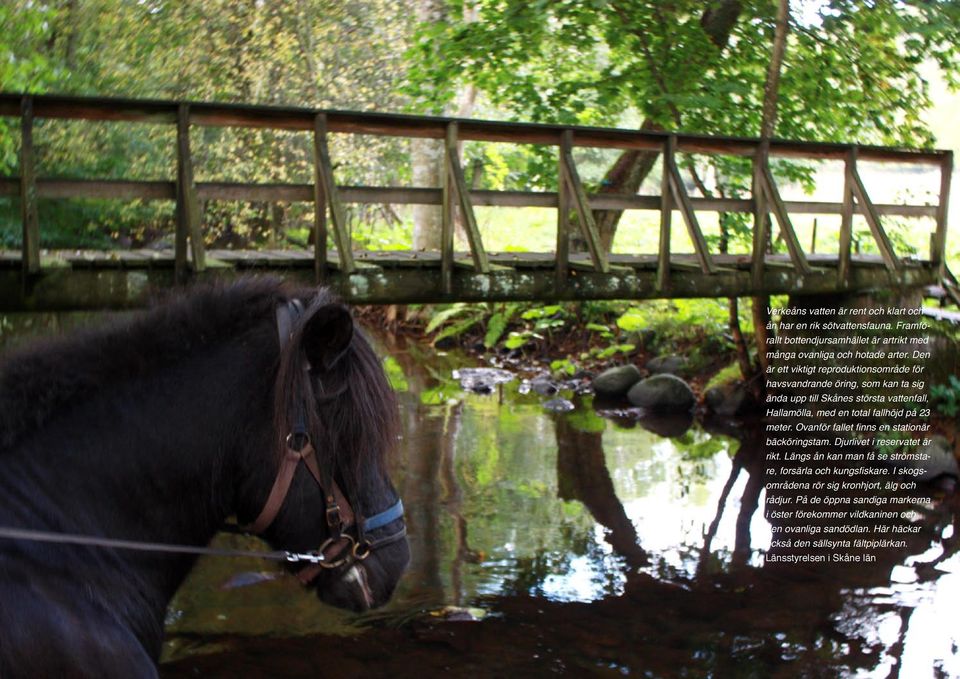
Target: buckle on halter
334 519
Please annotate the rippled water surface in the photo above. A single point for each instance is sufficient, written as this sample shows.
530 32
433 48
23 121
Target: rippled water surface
568 543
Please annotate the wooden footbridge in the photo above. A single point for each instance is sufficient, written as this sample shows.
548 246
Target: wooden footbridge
34 278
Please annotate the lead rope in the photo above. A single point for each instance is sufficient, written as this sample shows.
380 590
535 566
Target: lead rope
281 556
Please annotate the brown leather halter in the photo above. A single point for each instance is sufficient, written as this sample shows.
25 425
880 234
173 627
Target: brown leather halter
347 542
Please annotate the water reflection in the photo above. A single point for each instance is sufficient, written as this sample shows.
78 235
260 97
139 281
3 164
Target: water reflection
600 546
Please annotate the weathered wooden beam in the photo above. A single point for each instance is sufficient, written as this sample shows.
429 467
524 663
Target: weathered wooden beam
30 245
846 219
459 183
337 216
666 222
769 187
760 217
562 266
119 287
447 226
937 252
585 220
386 124
163 190
873 221
681 198
319 211
188 205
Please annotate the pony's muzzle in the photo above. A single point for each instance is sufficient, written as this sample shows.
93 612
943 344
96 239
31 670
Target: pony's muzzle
355 578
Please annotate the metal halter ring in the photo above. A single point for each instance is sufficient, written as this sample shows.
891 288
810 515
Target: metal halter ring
345 555
301 436
361 550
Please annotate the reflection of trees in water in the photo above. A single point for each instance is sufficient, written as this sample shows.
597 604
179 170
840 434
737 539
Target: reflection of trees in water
582 475
475 467
800 616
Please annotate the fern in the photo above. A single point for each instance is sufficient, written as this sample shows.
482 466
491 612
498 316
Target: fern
442 317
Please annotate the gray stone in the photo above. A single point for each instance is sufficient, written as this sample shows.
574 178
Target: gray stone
559 405
941 463
482 380
671 365
662 393
616 382
731 398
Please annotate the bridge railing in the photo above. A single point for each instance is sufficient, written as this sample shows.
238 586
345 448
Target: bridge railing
571 197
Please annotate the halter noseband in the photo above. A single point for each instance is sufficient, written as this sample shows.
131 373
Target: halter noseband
347 541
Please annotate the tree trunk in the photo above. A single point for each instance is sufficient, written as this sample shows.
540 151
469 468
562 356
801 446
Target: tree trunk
768 123
427 156
632 167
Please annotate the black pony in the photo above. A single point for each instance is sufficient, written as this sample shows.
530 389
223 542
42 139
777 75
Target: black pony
161 428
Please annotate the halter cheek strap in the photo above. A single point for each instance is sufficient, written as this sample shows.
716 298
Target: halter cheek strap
343 545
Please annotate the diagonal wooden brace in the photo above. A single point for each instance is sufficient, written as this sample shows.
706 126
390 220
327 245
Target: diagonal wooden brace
459 185
588 226
325 181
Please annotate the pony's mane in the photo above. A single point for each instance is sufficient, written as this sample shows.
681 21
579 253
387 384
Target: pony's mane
50 374
358 419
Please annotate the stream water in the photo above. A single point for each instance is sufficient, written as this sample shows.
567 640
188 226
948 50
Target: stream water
572 544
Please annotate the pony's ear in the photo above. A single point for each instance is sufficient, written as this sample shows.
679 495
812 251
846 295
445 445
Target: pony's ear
326 336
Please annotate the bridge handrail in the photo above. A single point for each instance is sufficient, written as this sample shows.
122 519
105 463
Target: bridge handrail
329 197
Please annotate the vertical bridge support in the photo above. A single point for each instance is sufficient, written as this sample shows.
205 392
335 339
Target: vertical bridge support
937 254
890 259
767 198
326 194
680 198
188 206
456 193
28 191
572 188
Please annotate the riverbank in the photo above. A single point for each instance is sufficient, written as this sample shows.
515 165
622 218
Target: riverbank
574 340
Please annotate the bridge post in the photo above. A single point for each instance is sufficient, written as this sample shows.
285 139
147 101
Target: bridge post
938 249
772 198
323 174
846 219
459 183
681 198
666 219
188 207
30 248
319 212
760 216
588 226
890 258
447 217
562 266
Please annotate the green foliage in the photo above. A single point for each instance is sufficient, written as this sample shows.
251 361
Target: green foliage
946 397
851 72
444 315
563 367
730 373
498 324
614 349
396 378
273 53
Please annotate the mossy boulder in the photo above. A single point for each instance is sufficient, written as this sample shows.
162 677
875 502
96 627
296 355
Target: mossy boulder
616 382
670 365
730 398
662 393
